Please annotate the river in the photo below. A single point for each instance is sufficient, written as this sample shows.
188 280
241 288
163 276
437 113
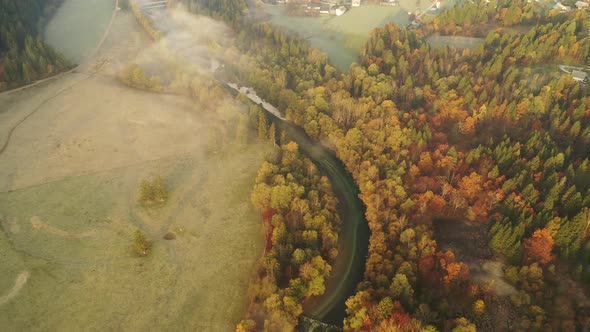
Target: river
348 269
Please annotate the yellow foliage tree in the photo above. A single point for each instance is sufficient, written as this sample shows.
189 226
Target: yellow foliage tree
479 307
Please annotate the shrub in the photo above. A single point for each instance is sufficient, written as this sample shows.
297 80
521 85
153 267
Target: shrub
141 245
152 191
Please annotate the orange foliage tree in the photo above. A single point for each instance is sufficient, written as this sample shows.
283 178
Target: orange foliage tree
471 186
538 247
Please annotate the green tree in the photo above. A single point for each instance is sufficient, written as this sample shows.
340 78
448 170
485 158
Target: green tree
401 289
385 308
152 191
463 325
141 245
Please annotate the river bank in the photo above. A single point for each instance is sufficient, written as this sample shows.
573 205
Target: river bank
353 241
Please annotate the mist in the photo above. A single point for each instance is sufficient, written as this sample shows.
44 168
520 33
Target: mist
194 42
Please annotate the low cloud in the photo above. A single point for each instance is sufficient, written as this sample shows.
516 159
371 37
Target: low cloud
198 40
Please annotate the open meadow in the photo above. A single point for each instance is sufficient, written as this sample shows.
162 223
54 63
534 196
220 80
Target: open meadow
77 149
454 41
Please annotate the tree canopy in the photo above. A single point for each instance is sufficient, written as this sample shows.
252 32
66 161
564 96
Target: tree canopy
24 57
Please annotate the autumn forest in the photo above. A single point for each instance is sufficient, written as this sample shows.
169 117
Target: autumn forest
484 136
472 164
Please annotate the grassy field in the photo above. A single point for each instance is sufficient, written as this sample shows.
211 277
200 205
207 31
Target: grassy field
341 37
454 41
83 248
361 20
68 206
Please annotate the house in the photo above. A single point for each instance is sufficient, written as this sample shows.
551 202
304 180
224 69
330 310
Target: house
561 7
582 5
580 76
340 10
356 3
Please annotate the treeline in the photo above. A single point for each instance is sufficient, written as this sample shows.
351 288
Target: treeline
228 10
171 78
135 76
280 68
24 57
299 213
144 20
484 135
477 18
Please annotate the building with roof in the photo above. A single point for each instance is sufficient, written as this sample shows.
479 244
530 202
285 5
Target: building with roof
340 10
582 5
356 3
562 7
580 76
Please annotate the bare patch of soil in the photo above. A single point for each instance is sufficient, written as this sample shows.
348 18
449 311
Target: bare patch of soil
468 241
20 281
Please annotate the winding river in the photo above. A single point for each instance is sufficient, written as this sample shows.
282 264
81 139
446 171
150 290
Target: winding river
348 269
349 266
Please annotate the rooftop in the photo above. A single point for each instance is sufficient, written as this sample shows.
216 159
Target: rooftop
579 75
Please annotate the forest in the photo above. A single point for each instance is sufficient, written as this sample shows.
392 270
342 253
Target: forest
494 136
24 57
299 214
230 11
476 18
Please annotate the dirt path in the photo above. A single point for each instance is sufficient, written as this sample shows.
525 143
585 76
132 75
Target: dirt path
38 224
35 110
20 281
71 71
93 54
